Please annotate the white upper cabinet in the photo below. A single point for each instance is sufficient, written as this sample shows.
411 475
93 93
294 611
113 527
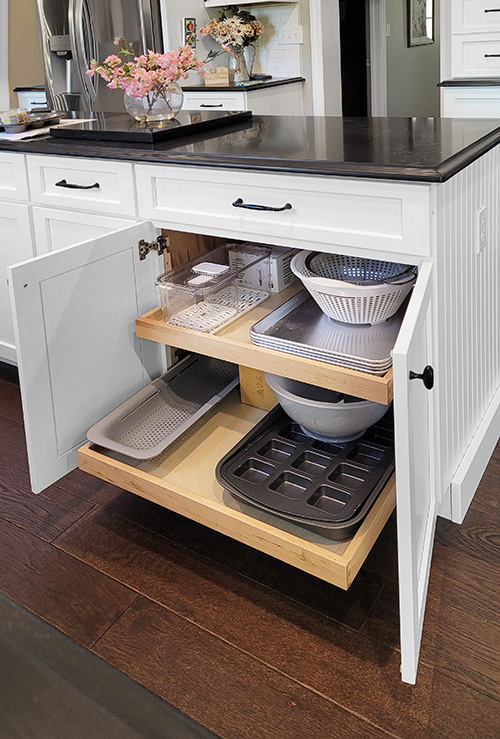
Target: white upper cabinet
79 356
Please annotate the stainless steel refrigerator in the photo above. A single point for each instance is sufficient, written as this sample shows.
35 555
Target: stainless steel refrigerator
72 32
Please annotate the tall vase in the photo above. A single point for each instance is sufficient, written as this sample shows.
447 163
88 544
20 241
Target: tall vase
158 105
238 71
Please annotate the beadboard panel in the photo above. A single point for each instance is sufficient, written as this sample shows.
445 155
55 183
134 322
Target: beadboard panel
468 300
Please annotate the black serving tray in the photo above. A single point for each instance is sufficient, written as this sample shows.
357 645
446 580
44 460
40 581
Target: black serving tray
325 487
122 127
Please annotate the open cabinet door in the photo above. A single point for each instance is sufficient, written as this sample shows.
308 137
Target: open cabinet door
415 478
79 357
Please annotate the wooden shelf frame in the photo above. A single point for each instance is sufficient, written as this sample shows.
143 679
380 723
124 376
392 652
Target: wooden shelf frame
233 344
182 479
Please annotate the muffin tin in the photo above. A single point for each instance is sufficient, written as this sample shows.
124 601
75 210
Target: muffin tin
323 486
33 120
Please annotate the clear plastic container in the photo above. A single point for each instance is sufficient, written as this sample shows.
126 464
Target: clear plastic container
214 289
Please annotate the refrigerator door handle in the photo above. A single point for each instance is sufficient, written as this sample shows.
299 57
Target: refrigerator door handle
79 12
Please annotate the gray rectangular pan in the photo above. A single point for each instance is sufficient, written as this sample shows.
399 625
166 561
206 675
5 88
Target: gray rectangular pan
299 326
157 415
327 488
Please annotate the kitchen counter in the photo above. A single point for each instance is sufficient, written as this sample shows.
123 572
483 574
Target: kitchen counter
246 86
414 191
414 149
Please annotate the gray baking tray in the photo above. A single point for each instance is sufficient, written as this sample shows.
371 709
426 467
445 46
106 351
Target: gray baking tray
157 415
300 327
325 487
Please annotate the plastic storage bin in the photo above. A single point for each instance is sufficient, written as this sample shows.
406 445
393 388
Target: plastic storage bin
214 289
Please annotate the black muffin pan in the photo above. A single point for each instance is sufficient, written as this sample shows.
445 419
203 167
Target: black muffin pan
326 487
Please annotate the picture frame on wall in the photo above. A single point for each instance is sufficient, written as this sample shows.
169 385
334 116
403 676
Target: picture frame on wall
420 22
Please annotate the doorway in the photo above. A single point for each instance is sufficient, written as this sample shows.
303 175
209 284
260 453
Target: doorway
354 18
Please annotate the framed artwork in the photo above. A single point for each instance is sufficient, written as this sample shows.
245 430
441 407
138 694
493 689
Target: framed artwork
420 22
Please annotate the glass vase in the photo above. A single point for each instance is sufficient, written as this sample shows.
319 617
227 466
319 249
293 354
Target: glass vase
158 105
238 71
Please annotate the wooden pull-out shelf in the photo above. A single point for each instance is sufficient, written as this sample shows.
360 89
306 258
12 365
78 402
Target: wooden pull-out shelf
233 344
183 480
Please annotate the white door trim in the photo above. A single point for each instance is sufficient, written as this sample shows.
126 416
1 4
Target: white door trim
4 54
378 56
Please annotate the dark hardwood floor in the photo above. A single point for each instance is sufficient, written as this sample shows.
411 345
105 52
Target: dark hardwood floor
245 645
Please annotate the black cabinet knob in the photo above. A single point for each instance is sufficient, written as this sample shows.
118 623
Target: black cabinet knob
427 377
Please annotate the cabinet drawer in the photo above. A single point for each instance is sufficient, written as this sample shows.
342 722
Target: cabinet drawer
102 186
215 101
471 16
13 178
327 213
56 229
476 55
471 102
32 100
183 480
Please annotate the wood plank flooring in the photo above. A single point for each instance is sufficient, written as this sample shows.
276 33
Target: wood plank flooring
246 645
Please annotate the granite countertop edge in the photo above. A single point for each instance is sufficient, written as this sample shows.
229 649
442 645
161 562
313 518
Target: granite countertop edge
430 172
257 85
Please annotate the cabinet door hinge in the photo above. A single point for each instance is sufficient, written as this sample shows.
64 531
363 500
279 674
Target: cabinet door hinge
159 246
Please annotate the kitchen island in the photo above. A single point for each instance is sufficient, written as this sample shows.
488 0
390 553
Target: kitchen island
419 191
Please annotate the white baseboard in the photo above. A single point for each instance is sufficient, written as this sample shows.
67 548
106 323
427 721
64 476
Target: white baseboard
471 469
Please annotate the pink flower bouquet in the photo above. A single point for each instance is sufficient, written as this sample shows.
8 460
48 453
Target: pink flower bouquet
146 76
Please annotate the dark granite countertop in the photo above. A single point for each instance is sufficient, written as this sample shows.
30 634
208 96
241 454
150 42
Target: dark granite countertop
411 149
244 86
471 82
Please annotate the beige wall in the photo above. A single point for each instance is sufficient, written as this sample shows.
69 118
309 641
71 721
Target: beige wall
25 61
412 73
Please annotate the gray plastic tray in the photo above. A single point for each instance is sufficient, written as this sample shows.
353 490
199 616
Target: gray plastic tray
153 418
325 487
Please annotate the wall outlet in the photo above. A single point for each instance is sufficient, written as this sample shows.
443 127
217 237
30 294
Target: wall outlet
481 229
290 35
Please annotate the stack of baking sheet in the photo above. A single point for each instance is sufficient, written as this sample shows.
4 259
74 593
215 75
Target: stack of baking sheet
300 327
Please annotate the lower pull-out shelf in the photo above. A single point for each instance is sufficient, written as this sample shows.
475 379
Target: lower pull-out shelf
182 479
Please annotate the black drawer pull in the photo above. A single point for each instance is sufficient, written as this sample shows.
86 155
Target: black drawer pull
240 204
427 377
492 10
210 105
492 55
70 186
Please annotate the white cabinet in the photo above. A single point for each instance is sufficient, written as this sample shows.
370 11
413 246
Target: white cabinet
15 239
475 38
79 331
78 352
277 100
80 356
327 211
34 99
56 228
13 177
481 101
475 16
93 185
15 244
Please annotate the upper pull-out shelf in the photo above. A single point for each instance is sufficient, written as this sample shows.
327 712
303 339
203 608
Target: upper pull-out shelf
233 344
